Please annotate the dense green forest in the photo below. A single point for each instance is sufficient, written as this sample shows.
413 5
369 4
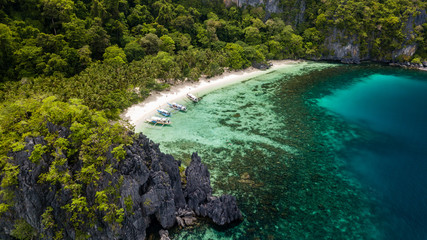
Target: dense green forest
112 53
79 63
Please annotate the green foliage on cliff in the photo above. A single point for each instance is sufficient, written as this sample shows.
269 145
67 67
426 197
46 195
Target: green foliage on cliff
72 164
23 231
78 64
378 27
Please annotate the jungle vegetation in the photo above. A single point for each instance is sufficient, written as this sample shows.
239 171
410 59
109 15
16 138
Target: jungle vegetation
79 63
112 53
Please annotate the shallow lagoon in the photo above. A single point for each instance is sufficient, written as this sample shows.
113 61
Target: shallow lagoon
301 162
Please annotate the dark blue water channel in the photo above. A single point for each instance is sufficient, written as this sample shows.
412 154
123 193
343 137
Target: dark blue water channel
390 158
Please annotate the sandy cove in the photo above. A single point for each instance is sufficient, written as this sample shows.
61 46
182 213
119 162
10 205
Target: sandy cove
147 108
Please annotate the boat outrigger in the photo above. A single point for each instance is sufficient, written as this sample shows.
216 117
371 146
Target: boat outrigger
192 97
164 112
157 120
178 107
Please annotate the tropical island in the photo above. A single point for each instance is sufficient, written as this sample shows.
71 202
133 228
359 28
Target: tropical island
72 168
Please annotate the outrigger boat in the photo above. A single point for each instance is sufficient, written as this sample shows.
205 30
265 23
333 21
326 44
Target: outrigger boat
192 97
178 107
164 112
157 120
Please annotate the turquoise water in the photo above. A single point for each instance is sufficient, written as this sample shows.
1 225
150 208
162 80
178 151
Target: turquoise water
392 160
301 162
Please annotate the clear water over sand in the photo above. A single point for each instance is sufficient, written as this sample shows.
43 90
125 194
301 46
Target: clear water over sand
301 163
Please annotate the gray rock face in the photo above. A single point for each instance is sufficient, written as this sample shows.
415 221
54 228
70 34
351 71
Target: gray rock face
408 50
164 235
148 177
185 217
159 200
346 52
221 210
339 45
261 66
271 6
198 187
171 167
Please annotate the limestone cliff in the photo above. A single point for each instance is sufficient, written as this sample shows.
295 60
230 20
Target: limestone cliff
346 48
271 6
339 43
146 184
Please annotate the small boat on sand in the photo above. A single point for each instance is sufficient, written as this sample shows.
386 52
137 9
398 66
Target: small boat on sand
192 97
178 107
158 120
164 112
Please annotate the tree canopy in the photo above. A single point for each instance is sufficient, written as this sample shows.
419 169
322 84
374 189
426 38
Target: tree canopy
78 64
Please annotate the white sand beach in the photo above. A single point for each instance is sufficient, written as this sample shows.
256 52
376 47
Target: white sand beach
141 111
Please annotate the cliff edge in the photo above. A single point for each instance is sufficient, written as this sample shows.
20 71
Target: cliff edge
141 189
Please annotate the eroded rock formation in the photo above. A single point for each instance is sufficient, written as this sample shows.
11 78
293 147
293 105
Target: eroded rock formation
150 178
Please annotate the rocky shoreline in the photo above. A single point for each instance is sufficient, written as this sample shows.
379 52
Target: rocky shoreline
419 66
161 194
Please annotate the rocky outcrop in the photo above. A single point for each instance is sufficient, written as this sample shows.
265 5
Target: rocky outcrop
407 52
346 52
261 66
198 191
198 187
271 6
338 44
147 177
164 235
185 217
342 47
222 210
419 66
409 48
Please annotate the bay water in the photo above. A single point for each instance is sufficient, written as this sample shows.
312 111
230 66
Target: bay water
312 151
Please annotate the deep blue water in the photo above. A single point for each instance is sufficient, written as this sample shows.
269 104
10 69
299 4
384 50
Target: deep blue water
391 162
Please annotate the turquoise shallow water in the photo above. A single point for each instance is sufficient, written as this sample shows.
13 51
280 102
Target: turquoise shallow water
299 160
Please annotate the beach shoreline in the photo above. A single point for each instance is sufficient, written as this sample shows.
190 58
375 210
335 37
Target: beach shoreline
139 112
